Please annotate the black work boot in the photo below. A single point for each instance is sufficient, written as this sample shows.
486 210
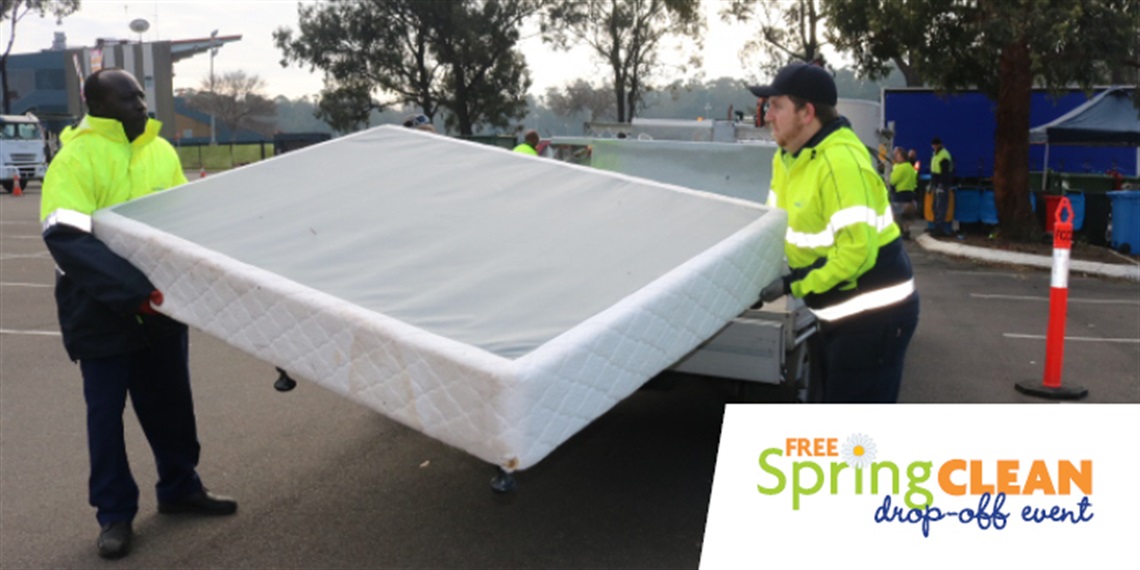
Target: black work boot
201 503
115 540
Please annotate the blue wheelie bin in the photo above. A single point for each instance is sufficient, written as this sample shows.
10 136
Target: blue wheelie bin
988 212
968 205
1125 220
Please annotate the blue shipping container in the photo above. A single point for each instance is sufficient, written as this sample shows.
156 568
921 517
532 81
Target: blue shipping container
966 124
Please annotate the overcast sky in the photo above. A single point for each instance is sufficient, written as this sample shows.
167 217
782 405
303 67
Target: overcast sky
255 21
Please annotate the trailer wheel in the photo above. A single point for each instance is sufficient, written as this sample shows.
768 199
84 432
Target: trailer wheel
803 373
8 185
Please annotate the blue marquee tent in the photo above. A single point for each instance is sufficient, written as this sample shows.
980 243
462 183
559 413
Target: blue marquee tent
1109 119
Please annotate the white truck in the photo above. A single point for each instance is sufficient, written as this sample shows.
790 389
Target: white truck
22 150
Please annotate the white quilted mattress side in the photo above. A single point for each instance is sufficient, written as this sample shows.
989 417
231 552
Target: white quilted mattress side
579 375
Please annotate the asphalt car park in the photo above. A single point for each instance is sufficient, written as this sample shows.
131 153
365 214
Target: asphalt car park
324 482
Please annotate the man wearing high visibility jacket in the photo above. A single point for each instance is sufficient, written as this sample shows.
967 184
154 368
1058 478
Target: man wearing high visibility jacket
904 181
941 182
106 311
529 144
845 256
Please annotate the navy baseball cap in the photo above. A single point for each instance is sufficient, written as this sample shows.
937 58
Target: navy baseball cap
808 82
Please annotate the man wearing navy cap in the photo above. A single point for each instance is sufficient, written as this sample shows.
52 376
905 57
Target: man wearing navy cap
844 250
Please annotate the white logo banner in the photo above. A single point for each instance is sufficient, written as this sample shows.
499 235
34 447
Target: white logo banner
926 486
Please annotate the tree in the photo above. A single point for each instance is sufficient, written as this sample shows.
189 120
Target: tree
581 97
11 12
627 35
346 107
458 56
882 32
236 101
299 115
1004 47
790 30
485 78
381 46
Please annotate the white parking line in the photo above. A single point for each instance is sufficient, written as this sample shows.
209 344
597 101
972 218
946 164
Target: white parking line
9 284
30 333
1071 299
1075 338
24 237
990 273
40 255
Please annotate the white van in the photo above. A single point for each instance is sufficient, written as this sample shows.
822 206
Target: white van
22 148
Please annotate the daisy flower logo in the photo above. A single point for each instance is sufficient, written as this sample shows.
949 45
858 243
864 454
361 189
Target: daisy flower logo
858 451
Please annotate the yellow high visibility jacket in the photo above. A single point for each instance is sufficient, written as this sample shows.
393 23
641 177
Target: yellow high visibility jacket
942 169
526 149
842 243
98 292
941 159
904 177
97 167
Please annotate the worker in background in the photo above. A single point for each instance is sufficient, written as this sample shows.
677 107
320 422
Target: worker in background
941 182
106 311
923 189
844 253
529 144
419 122
1113 172
904 180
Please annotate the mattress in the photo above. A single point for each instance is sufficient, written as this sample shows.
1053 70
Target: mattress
494 301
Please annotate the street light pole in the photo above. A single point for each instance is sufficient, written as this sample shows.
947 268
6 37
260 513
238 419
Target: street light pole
213 93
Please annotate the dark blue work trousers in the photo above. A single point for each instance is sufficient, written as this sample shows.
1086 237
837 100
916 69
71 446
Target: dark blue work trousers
864 354
941 209
158 381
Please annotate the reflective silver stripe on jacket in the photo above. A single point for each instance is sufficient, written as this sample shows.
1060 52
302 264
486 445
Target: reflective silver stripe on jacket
838 221
866 301
70 218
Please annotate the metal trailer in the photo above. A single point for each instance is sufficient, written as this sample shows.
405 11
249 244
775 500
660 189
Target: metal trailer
763 355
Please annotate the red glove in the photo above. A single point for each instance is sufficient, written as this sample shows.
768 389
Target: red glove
147 306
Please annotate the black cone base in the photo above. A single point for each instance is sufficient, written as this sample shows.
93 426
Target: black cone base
1059 393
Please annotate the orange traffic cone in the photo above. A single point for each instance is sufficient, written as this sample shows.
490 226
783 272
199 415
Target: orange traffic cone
202 173
16 190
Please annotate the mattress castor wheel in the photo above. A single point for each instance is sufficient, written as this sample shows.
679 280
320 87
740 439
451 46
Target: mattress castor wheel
503 482
284 383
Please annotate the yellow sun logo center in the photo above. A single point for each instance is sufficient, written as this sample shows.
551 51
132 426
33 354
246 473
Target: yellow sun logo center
858 451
